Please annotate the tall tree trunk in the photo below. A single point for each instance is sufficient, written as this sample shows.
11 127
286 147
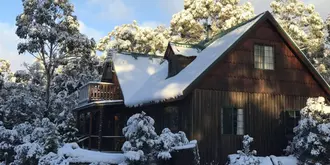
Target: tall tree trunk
48 79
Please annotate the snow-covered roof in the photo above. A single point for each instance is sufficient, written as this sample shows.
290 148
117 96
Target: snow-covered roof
184 49
134 71
144 80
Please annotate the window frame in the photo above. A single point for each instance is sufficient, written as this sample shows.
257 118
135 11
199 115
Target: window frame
263 45
286 118
234 126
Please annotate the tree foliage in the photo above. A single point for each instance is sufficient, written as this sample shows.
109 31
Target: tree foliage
188 24
133 38
49 32
301 22
311 143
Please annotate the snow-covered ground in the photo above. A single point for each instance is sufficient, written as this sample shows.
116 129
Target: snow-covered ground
268 160
75 154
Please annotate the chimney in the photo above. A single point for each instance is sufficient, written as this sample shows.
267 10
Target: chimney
208 29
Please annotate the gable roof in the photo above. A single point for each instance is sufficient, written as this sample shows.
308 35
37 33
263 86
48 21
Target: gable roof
156 87
185 49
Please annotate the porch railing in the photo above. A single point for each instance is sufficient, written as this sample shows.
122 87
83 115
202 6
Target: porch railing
99 91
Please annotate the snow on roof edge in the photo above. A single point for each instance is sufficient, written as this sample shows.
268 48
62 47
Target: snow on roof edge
173 87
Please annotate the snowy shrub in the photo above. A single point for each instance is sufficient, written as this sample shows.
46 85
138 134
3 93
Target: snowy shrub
140 139
41 139
167 140
8 140
311 143
66 128
53 159
21 103
245 156
144 146
99 163
28 153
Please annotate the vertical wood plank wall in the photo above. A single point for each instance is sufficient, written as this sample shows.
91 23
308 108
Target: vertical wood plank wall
262 121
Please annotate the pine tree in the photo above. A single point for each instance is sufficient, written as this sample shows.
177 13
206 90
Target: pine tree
188 24
302 23
133 38
140 135
66 128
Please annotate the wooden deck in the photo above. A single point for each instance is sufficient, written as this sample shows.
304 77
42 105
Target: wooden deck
99 91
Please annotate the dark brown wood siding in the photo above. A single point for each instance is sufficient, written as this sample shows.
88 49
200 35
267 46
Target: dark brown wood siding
262 120
236 72
263 94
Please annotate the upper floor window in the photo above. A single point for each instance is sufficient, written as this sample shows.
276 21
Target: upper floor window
232 121
263 57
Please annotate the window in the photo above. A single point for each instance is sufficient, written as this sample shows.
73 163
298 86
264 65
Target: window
291 119
232 121
263 57
171 118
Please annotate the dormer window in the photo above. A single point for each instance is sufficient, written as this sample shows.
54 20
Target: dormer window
264 57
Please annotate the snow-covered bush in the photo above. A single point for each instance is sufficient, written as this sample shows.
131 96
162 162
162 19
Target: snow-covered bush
144 146
311 143
53 159
8 140
41 139
21 103
66 127
246 156
140 135
167 140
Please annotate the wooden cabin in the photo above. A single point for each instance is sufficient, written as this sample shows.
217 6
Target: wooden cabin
251 79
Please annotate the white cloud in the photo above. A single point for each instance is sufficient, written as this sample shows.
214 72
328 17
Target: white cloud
113 9
90 32
8 47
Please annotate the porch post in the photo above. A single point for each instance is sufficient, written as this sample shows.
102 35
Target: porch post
85 121
78 121
90 130
100 129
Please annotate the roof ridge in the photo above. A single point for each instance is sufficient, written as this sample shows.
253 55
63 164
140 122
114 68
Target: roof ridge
135 55
223 33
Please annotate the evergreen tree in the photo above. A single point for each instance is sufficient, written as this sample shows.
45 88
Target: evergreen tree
188 24
41 140
21 103
140 135
66 128
302 23
133 38
311 143
49 32
144 146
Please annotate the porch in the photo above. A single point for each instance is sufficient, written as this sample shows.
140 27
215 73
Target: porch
99 91
98 118
100 128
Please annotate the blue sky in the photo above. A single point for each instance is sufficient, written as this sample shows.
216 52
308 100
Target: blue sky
98 17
